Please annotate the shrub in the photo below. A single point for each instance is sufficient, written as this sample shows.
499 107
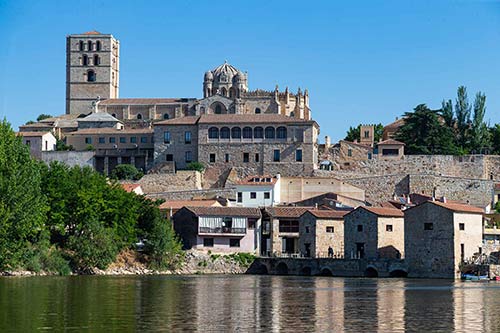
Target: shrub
197 166
126 172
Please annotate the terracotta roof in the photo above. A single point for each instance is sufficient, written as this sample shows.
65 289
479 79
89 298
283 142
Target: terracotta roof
286 212
37 125
383 211
188 120
93 32
457 207
110 130
250 118
258 180
391 142
32 134
225 211
140 101
395 124
130 187
497 187
356 144
178 204
327 213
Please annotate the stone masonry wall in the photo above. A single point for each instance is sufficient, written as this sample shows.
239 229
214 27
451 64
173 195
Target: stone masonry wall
71 158
169 182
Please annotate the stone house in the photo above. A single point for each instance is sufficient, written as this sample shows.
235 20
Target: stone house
374 233
258 191
390 149
330 200
351 152
496 194
319 230
39 142
391 129
439 236
219 229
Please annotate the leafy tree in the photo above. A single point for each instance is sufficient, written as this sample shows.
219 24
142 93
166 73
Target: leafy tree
447 113
354 133
43 116
422 133
197 166
495 138
126 172
62 146
462 114
479 135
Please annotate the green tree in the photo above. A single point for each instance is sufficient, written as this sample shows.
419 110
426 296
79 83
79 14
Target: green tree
462 114
126 172
43 116
423 133
197 166
447 113
479 135
495 138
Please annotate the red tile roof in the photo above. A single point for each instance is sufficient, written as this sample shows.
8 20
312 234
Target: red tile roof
391 142
286 212
328 214
188 120
93 32
32 134
110 130
457 207
258 180
178 204
383 211
225 211
141 101
396 124
250 118
497 187
130 187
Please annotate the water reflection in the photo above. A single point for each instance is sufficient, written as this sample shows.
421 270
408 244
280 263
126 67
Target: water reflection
247 303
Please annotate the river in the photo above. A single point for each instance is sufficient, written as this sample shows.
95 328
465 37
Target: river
243 303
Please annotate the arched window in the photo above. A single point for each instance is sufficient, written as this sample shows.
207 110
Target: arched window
236 133
139 116
81 45
91 77
213 133
113 115
218 109
98 46
258 132
224 91
166 116
85 60
269 132
224 133
97 61
202 110
257 110
247 132
281 132
89 45
231 93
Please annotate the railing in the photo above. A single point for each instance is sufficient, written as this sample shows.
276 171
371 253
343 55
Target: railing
221 230
336 255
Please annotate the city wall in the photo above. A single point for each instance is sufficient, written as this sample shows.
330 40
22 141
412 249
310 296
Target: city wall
71 158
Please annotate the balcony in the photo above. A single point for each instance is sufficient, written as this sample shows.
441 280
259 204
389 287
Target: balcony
222 231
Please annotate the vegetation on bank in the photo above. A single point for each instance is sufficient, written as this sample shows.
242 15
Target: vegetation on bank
60 219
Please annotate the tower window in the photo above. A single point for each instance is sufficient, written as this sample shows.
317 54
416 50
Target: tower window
91 77
139 116
257 110
85 60
98 46
166 116
89 45
81 45
97 61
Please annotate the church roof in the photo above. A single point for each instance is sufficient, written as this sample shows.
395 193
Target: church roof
235 119
141 101
225 68
93 32
99 116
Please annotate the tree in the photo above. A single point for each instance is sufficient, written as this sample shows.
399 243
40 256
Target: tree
43 116
423 133
462 114
495 138
479 135
126 172
447 113
197 166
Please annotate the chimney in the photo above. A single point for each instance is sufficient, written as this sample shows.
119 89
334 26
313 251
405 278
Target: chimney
444 199
408 201
433 199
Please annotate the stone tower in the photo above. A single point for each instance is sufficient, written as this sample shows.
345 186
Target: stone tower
225 80
367 135
92 70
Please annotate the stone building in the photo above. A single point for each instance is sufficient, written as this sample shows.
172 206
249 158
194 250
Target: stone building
374 233
390 149
439 236
258 191
219 229
39 142
320 230
92 70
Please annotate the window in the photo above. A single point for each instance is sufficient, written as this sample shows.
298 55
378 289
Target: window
251 223
187 137
289 226
188 156
349 152
247 132
28 142
428 226
144 139
81 45
224 133
307 230
461 226
212 158
208 242
298 155
97 61
234 242
267 195
89 45
91 77
367 134
218 109
269 132
112 139
166 137
257 157
133 139
123 139
226 158
240 197
246 157
213 133
253 195
88 140
390 152
360 227
258 132
85 60
166 116
169 157
236 133
98 46
388 227
281 132
276 155
330 229
139 116
102 140
257 110
369 156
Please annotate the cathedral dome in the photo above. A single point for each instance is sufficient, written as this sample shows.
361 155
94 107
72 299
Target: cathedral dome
240 76
225 72
209 76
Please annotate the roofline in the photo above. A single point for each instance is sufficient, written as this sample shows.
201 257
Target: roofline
448 208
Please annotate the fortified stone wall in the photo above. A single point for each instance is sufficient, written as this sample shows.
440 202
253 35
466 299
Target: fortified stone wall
71 158
168 182
190 194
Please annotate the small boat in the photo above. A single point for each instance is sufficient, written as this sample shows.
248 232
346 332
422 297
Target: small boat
472 277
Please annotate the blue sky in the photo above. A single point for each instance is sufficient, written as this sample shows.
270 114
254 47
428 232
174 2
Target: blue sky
362 61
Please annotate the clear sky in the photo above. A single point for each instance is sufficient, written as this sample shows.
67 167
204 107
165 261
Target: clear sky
362 61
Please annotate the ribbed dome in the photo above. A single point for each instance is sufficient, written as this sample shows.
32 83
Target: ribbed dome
240 76
209 75
225 68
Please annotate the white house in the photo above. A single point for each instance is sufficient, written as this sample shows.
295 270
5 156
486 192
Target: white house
258 191
38 142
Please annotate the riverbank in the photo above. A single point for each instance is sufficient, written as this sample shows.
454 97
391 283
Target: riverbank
133 263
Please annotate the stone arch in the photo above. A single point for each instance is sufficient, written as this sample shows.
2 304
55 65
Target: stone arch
225 133
306 271
326 272
282 269
270 132
166 116
224 91
213 133
236 133
281 132
247 132
371 272
258 132
139 116
232 92
262 270
398 273
218 108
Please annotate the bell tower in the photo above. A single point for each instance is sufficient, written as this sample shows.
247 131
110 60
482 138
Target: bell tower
92 70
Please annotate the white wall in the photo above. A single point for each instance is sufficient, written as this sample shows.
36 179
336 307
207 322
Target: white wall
259 201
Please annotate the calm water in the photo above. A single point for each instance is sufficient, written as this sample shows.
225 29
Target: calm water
246 303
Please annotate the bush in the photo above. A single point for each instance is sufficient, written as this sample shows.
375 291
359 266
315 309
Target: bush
163 246
197 166
242 259
126 172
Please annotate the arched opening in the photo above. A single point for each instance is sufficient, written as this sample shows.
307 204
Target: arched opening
166 116
89 45
97 61
91 77
247 132
81 45
85 60
281 132
326 272
236 133
213 133
261 270
306 271
282 269
257 110
224 133
232 93
202 110
371 272
218 108
398 273
258 132
113 115
224 91
139 116
269 133
98 46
